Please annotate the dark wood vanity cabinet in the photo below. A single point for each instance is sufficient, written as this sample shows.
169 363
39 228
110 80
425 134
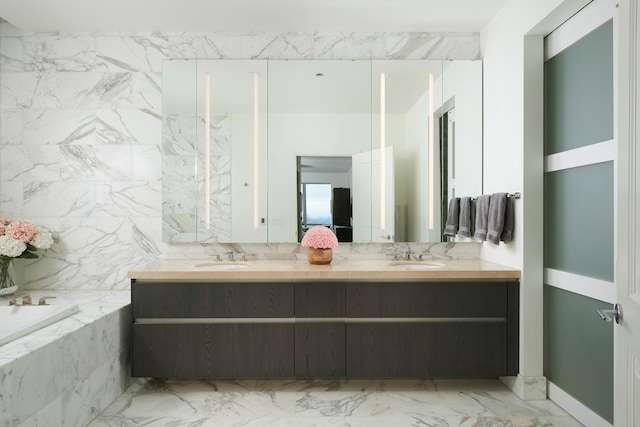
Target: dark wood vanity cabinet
325 329
212 330
320 329
432 329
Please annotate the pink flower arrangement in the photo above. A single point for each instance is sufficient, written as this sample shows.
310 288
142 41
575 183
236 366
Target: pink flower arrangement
21 239
319 237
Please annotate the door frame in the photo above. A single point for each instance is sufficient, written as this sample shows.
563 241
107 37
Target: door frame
627 334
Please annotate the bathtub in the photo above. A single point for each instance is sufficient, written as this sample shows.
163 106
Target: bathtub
17 321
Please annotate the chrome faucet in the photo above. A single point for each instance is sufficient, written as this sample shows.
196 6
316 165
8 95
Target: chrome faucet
407 255
230 256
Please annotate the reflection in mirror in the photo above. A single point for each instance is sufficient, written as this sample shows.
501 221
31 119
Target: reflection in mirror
404 103
316 109
231 151
411 129
460 148
178 151
324 196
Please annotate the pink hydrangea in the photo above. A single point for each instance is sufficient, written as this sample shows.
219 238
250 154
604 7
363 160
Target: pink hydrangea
21 239
20 230
319 237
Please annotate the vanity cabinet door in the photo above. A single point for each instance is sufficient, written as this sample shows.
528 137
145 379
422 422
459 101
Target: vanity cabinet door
200 351
320 329
430 329
194 300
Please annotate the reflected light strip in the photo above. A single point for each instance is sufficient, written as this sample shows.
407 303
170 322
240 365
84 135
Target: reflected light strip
256 147
207 151
383 130
431 155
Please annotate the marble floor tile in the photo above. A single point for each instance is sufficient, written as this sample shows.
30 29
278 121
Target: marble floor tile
317 403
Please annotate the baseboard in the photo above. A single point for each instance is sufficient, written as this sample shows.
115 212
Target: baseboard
574 407
527 388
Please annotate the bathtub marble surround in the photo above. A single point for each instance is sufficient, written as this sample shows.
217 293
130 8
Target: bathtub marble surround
345 403
81 137
66 373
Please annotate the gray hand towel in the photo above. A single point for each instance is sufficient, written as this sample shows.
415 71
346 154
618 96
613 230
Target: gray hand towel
453 216
497 208
466 217
509 220
482 217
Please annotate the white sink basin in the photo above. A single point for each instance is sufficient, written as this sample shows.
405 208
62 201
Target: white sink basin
218 265
415 265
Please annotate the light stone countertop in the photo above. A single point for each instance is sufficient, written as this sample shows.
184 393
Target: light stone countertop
339 269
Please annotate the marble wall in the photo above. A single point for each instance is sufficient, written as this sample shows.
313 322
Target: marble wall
80 138
68 372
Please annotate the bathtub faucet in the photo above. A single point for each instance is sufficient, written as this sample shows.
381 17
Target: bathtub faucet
26 300
43 300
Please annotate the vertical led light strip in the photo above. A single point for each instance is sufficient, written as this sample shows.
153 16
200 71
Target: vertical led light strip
207 151
256 148
432 173
383 130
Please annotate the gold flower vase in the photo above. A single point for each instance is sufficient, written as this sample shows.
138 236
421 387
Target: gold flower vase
319 256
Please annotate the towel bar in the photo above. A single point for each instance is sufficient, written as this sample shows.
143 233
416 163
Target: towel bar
510 195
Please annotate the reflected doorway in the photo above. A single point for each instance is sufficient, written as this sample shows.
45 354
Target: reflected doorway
324 195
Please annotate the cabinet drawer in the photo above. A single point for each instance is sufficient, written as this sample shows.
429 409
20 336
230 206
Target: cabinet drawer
213 351
320 350
194 300
426 350
320 299
455 299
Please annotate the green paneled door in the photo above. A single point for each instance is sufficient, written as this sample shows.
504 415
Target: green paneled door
579 349
579 220
578 93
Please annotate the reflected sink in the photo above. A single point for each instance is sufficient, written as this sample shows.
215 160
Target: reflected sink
218 265
415 265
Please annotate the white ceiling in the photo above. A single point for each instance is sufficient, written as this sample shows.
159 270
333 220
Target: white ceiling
249 15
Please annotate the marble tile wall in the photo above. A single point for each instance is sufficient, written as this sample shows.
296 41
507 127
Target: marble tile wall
68 372
80 137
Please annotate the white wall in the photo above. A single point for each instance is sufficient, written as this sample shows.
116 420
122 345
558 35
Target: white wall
512 52
336 179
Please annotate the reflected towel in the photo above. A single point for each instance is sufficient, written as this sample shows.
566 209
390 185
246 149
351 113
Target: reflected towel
453 216
466 217
509 220
482 217
497 208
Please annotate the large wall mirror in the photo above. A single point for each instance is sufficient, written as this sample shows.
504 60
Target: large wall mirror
260 150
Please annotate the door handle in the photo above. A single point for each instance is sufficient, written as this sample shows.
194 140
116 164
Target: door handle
609 315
